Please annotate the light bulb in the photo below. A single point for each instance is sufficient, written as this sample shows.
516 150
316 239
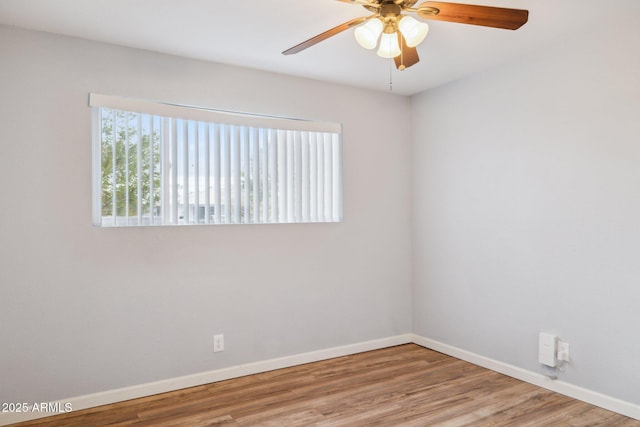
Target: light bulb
413 30
368 33
389 47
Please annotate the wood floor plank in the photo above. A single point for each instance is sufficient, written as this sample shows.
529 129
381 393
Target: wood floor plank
404 386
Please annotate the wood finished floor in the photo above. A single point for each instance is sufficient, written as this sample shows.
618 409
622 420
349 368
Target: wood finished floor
405 385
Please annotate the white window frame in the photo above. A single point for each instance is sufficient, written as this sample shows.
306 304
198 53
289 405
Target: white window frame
216 167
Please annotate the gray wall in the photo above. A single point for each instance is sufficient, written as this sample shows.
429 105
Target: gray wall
527 209
85 309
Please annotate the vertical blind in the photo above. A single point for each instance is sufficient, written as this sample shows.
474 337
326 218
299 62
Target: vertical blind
162 164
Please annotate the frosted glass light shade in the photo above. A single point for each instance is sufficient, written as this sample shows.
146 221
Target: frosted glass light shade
413 30
389 47
368 33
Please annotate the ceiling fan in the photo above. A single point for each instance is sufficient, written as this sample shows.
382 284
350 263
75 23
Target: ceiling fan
397 34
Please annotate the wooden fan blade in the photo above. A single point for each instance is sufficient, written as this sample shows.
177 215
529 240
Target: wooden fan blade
329 33
408 56
486 16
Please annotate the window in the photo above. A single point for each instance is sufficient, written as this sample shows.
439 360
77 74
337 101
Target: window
162 164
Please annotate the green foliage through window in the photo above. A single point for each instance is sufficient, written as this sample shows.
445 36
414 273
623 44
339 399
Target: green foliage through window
130 175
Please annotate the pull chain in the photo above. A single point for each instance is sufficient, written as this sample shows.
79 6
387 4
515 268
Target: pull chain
390 76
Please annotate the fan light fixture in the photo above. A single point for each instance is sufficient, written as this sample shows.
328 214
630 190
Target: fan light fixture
389 47
414 31
396 35
368 34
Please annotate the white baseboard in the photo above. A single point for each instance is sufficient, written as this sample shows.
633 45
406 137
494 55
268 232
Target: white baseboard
148 389
118 395
598 399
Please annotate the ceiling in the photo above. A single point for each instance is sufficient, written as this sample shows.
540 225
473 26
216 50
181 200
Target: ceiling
253 34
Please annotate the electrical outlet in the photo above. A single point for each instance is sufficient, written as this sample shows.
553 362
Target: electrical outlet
563 351
218 343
